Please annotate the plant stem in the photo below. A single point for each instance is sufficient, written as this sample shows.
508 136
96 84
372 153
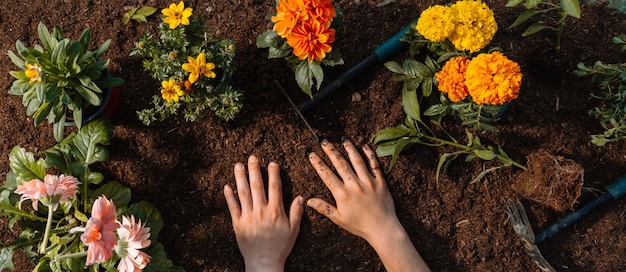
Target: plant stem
69 256
44 243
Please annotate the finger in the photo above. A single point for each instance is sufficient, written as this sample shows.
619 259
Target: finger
339 162
295 214
357 160
256 182
274 186
243 190
325 208
328 177
374 167
233 205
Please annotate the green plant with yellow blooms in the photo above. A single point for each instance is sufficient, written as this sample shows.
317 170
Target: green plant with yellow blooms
456 77
193 68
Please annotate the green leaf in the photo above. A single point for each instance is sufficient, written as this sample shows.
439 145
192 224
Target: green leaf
394 67
401 145
150 215
436 110
267 39
391 133
317 72
411 105
513 3
486 155
44 36
89 95
571 7
523 17
140 18
58 129
159 261
531 4
304 77
120 195
534 28
87 143
16 60
146 11
129 14
6 258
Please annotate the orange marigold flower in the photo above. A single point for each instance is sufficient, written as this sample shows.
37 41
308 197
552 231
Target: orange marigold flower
321 10
493 79
288 14
451 78
312 40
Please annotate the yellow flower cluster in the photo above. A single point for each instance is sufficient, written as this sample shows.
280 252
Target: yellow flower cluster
176 15
488 78
468 24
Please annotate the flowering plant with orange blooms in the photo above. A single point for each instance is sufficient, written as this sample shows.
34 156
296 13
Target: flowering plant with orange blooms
192 68
303 33
457 76
75 221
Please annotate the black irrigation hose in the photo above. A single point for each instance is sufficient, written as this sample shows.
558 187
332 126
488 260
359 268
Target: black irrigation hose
381 54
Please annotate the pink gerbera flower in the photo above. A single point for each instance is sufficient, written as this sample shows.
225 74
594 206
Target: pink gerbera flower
52 191
133 237
99 234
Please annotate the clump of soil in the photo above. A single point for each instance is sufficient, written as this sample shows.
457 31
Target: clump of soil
550 180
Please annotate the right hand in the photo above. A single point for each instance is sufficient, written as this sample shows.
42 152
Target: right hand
364 205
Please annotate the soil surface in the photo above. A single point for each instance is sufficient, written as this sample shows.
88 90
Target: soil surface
456 226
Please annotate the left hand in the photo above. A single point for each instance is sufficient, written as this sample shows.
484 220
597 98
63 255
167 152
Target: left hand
265 235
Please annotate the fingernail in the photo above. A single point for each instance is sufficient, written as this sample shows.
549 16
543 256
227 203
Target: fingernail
344 139
367 147
272 164
311 155
301 200
253 158
238 166
325 142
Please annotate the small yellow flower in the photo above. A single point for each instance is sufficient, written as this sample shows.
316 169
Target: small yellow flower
493 79
475 25
171 91
199 67
451 78
33 72
172 55
436 23
176 15
141 44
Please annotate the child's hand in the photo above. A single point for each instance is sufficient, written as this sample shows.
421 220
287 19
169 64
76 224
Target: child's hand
265 235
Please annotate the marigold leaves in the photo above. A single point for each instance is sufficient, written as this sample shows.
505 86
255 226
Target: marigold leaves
391 133
394 67
513 3
534 28
571 7
411 105
531 4
523 17
485 154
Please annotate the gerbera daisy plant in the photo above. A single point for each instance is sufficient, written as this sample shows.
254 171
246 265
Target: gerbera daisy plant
457 76
74 220
303 34
192 68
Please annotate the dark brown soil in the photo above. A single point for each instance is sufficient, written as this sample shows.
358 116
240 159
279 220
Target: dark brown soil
456 226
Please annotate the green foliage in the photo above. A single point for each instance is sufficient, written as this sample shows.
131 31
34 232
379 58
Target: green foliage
394 140
67 77
612 111
138 14
563 9
72 156
163 57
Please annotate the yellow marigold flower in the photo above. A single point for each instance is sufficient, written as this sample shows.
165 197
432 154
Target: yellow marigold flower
199 67
475 25
171 91
311 40
493 79
451 78
436 23
33 71
176 15
288 14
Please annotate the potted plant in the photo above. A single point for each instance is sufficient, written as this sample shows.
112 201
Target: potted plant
60 76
